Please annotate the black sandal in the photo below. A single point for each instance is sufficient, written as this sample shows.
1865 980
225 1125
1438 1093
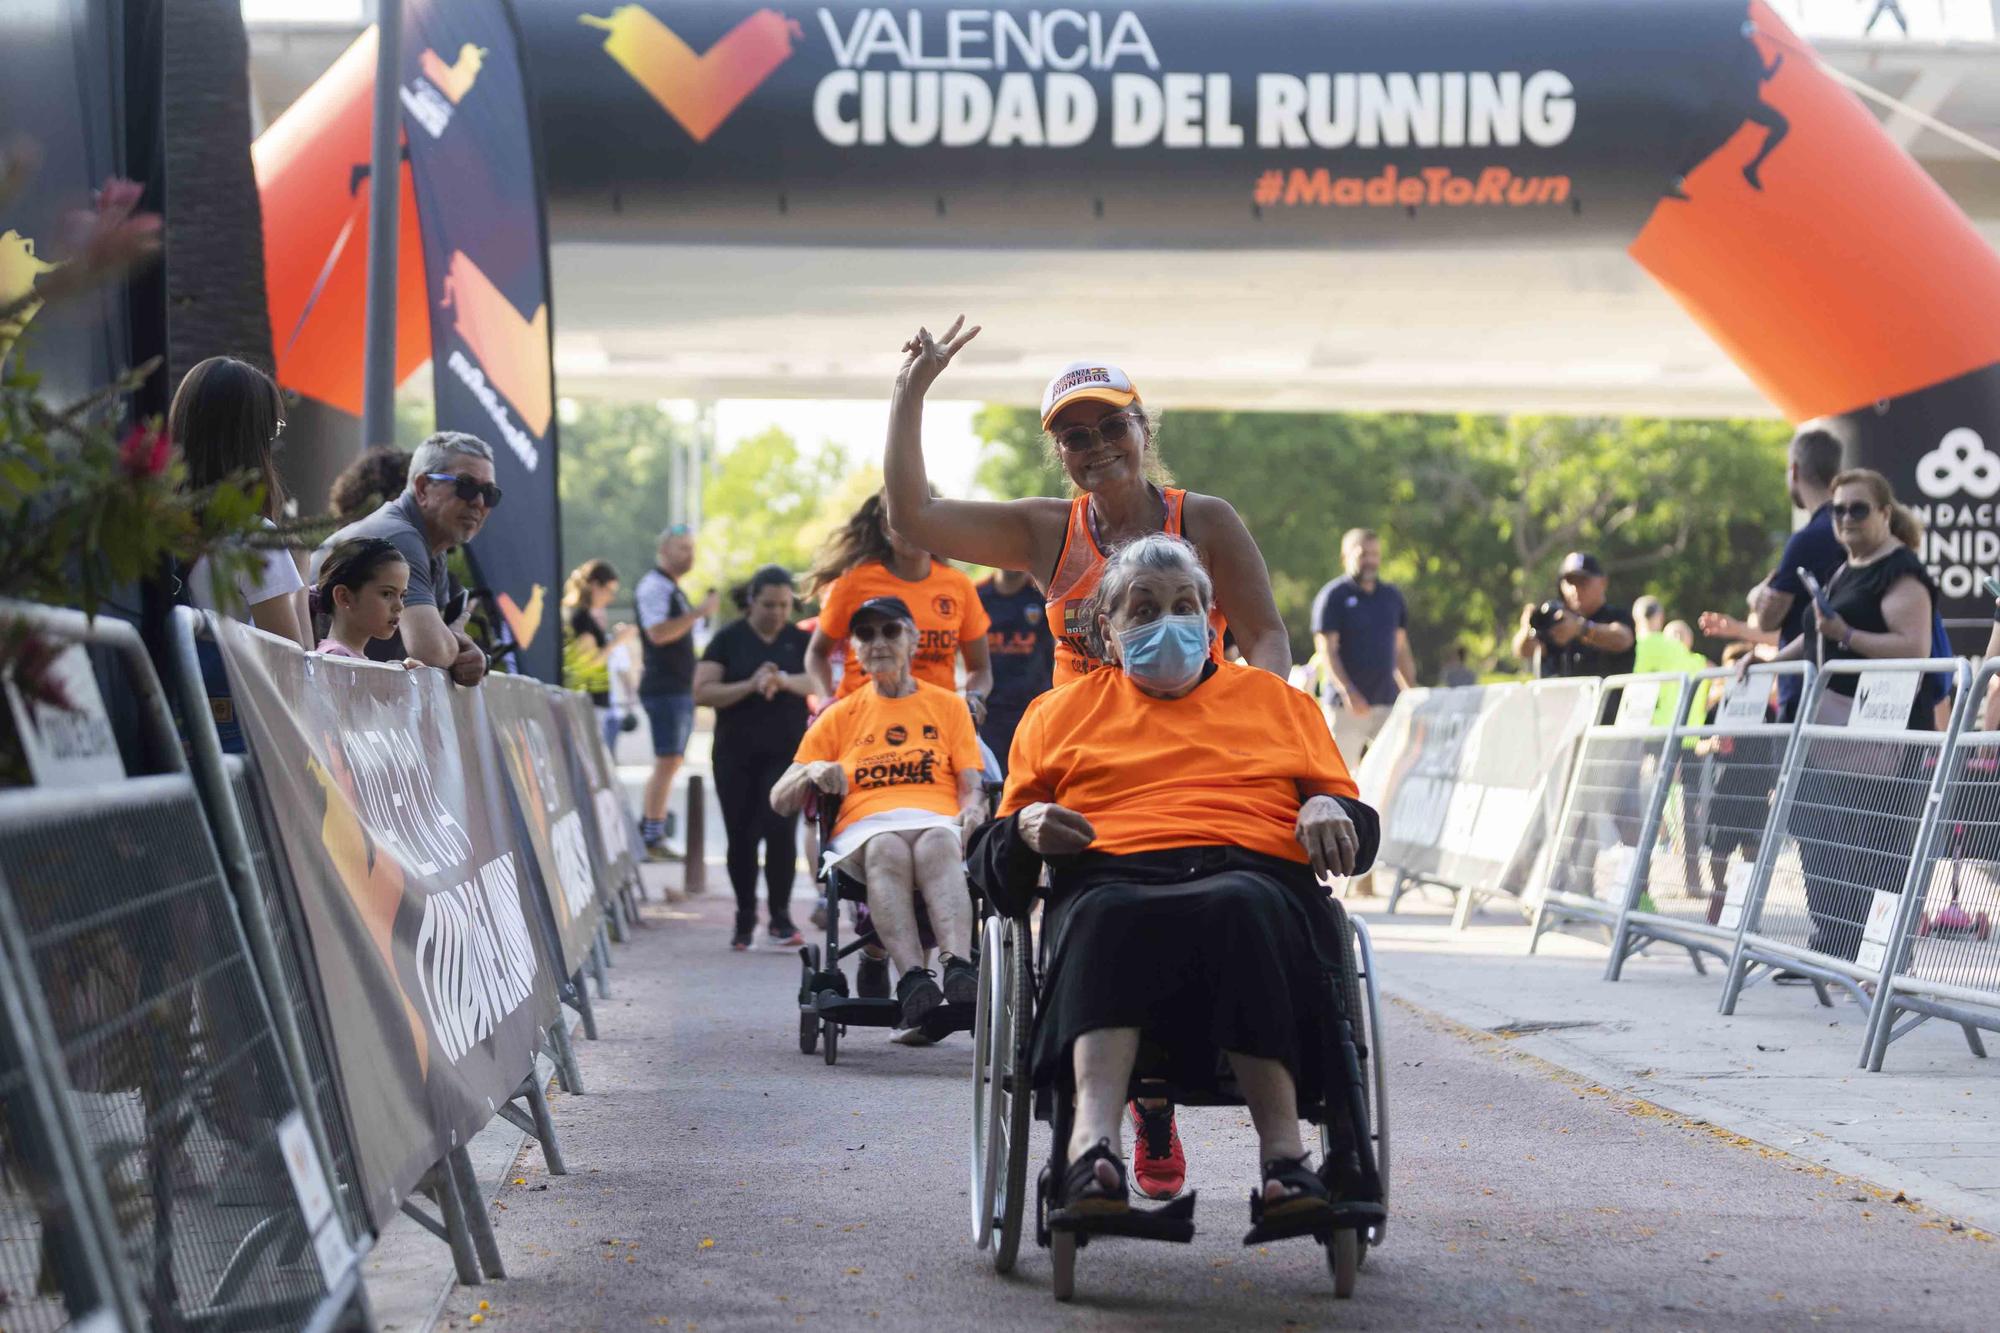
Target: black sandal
1305 1191
1083 1192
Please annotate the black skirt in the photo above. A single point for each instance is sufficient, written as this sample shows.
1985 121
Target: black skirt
1202 949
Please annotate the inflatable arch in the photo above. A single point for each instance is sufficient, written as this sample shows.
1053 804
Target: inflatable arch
1701 134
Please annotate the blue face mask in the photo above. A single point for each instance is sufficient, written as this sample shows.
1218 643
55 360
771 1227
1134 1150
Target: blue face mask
1165 654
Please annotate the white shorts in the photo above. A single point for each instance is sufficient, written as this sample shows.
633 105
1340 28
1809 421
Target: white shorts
843 851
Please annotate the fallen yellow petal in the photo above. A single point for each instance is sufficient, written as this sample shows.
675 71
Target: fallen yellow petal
707 1242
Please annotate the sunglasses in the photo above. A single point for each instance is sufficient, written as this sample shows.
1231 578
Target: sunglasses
1854 513
469 489
1076 439
890 630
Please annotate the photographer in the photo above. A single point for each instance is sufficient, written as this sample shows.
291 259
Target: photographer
1582 634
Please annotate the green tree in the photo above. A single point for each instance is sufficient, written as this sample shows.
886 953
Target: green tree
1475 512
617 474
761 503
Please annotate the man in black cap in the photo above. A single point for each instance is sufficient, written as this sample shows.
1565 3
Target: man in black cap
1583 634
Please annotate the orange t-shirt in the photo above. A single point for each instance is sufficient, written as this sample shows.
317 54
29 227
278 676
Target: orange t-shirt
898 754
947 611
1228 764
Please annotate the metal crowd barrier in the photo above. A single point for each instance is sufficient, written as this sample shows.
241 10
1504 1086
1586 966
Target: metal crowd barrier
1845 851
1447 772
1713 800
1943 960
1617 788
175 1092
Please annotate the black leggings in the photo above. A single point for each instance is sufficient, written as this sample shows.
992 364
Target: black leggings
743 785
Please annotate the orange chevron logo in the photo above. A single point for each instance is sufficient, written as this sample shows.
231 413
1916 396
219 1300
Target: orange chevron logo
699 91
525 623
454 80
513 352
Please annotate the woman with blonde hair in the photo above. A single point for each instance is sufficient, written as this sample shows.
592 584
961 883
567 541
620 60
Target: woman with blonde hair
587 638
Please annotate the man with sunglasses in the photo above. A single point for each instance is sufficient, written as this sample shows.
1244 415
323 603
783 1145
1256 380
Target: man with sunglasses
448 498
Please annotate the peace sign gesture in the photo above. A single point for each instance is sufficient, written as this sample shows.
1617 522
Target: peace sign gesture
925 357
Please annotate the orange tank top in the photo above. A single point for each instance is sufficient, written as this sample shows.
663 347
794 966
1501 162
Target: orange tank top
1074 584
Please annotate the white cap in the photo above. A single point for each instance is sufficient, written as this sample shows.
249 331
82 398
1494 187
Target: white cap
1087 381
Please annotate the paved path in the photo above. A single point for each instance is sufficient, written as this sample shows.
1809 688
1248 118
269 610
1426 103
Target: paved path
724 1181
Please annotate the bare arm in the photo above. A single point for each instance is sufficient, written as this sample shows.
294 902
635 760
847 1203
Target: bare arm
1718 625
1526 641
1328 644
788 794
280 616
1242 583
1769 607
1607 637
679 627
978 657
819 664
427 638
710 691
1406 661
1906 609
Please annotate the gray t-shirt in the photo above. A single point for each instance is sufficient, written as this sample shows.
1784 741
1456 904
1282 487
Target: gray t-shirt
401 522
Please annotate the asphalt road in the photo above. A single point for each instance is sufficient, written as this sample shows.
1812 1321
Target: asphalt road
721 1180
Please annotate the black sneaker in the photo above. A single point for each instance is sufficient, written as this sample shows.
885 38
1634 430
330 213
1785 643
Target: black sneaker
961 981
785 935
871 979
918 993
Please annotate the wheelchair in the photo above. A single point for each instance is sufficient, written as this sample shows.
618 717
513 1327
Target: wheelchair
826 1007
1004 1095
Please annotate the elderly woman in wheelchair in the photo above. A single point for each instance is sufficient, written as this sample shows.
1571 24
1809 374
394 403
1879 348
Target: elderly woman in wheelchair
904 762
1184 810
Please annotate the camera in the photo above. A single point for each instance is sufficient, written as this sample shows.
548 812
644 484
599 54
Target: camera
1545 615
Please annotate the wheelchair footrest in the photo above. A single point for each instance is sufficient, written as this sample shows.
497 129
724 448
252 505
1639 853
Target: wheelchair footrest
857 1012
1352 1216
1173 1222
946 1019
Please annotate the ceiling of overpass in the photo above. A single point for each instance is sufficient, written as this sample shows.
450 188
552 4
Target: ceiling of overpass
1555 330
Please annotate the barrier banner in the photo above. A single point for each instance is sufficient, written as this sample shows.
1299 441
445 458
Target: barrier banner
479 202
1478 778
548 801
417 903
608 816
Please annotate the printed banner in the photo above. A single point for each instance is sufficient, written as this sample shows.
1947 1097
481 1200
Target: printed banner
532 745
1470 781
472 152
418 904
608 817
1149 122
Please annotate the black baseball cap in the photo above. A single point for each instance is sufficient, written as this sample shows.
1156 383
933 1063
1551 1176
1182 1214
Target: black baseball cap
883 608
1580 562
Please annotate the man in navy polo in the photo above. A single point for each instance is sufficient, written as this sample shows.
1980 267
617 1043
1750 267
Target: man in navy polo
1361 627
1780 602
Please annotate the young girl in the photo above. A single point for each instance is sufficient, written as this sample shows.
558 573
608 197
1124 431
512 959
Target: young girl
361 588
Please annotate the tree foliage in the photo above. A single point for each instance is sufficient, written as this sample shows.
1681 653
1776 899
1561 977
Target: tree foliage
1475 512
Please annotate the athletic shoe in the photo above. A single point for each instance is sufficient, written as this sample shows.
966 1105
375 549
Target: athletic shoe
1158 1164
740 941
785 935
912 1037
917 990
871 978
961 981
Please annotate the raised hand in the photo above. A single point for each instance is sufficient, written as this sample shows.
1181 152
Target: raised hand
925 357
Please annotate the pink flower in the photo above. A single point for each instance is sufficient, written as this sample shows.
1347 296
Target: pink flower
144 451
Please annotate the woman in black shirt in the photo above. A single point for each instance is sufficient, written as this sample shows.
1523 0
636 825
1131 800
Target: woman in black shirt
754 676
1879 604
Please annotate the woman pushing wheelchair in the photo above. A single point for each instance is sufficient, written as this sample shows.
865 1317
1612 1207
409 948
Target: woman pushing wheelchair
1185 809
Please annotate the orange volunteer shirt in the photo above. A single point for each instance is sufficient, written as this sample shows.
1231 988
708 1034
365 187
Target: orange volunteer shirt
1228 764
898 754
943 603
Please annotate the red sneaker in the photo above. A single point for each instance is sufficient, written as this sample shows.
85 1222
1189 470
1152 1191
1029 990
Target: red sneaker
1159 1167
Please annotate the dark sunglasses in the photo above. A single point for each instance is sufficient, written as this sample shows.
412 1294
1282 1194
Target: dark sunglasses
1854 513
890 630
469 489
1076 439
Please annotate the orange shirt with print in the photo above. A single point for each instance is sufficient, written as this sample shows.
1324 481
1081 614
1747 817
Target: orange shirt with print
947 611
1227 764
898 754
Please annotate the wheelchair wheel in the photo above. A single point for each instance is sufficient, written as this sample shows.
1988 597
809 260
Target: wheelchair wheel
989 1027
1343 1257
1018 1100
832 1035
808 1032
1378 1071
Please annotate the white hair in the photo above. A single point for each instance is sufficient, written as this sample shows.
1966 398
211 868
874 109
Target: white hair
1155 553
437 451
